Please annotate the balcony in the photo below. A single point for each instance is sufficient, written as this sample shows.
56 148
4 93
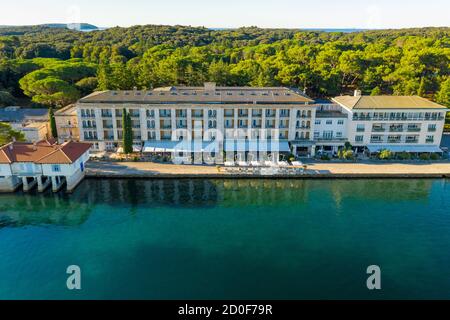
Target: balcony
376 141
181 126
106 114
393 141
166 126
378 129
396 129
414 129
431 129
165 115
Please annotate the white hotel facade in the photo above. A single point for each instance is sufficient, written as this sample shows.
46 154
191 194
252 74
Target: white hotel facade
300 125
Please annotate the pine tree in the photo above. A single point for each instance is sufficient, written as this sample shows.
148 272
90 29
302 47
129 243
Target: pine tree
421 91
53 129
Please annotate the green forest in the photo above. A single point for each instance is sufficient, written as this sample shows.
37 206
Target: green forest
55 66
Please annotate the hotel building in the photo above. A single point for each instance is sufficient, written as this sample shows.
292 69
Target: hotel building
184 113
397 123
228 115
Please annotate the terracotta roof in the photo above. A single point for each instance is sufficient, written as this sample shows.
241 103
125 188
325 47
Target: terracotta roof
244 95
386 102
43 152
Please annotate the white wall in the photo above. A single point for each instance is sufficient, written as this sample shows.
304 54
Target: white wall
5 170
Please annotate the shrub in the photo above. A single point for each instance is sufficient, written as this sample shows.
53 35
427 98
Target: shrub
404 156
424 156
325 157
435 156
348 155
385 155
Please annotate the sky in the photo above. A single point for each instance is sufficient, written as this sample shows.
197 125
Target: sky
370 14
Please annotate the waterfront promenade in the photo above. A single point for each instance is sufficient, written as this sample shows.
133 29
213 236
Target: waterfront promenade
314 170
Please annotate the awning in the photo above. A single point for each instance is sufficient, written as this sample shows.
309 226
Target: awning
180 146
257 146
405 148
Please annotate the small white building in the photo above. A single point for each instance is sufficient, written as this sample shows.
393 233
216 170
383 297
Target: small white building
43 164
32 122
35 131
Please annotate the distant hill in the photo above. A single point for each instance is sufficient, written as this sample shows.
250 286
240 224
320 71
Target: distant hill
71 26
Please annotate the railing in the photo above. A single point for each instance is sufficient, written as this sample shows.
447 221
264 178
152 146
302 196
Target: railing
398 119
107 115
303 127
394 141
414 129
108 126
181 126
400 129
429 140
431 129
378 129
166 126
376 141
412 141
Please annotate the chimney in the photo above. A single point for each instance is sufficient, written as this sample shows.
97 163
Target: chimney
357 93
210 86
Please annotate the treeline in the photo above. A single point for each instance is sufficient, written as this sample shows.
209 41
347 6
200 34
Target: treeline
57 66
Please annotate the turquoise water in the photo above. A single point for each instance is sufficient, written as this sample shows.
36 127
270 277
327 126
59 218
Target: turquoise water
217 239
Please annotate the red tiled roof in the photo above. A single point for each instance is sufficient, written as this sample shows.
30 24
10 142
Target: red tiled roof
43 152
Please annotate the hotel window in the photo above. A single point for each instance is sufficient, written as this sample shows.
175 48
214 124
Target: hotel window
430 139
329 122
360 128
338 134
56 168
340 122
359 138
284 113
318 122
432 127
316 135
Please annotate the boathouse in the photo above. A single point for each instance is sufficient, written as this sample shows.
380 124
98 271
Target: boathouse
42 164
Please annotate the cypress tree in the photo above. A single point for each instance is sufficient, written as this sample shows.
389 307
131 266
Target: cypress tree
127 132
53 129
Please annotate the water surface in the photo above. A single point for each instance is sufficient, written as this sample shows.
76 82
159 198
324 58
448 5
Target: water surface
224 239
